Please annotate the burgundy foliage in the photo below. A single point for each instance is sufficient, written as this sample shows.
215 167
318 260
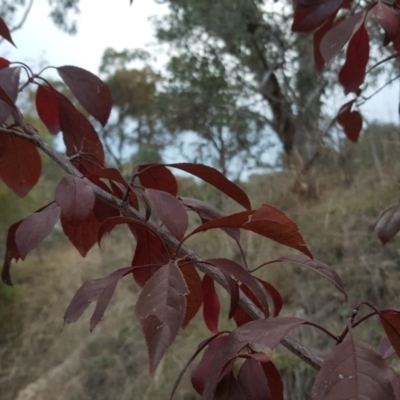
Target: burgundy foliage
9 83
194 299
98 290
169 210
5 32
35 228
20 164
48 108
354 370
387 224
91 92
317 266
160 309
211 304
174 283
351 121
390 320
216 179
153 176
4 63
75 198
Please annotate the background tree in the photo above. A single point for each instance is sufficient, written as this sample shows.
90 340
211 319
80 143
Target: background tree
252 39
15 13
135 129
205 97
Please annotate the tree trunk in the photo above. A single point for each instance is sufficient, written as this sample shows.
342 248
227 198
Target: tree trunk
307 132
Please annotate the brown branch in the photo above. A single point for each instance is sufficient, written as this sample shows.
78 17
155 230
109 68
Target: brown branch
290 343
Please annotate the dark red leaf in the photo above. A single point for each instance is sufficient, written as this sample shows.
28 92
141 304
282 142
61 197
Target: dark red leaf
309 15
102 210
104 298
79 135
169 210
236 220
99 290
352 74
5 32
119 190
351 121
353 370
84 235
118 184
149 250
268 221
211 305
396 43
20 164
47 108
194 299
93 94
6 104
109 224
75 198
387 224
199 349
9 82
274 380
317 266
241 317
4 63
208 212
253 381
160 309
11 253
395 381
233 289
237 271
385 348
390 320
228 388
216 179
158 177
317 38
336 38
389 19
266 332
112 174
199 374
275 295
35 228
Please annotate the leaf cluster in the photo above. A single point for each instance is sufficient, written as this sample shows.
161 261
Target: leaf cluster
92 199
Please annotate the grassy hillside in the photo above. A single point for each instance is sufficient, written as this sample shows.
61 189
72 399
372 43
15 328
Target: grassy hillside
111 363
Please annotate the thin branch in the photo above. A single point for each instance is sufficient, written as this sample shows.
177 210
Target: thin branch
24 17
390 57
33 137
388 83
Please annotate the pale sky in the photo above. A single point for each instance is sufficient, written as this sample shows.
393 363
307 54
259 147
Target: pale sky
116 24
101 24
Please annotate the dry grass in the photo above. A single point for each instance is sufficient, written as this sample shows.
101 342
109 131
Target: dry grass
111 362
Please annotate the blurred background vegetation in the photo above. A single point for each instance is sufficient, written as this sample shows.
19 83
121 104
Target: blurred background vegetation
237 92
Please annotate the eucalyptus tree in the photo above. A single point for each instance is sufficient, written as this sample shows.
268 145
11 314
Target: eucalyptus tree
135 131
252 39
